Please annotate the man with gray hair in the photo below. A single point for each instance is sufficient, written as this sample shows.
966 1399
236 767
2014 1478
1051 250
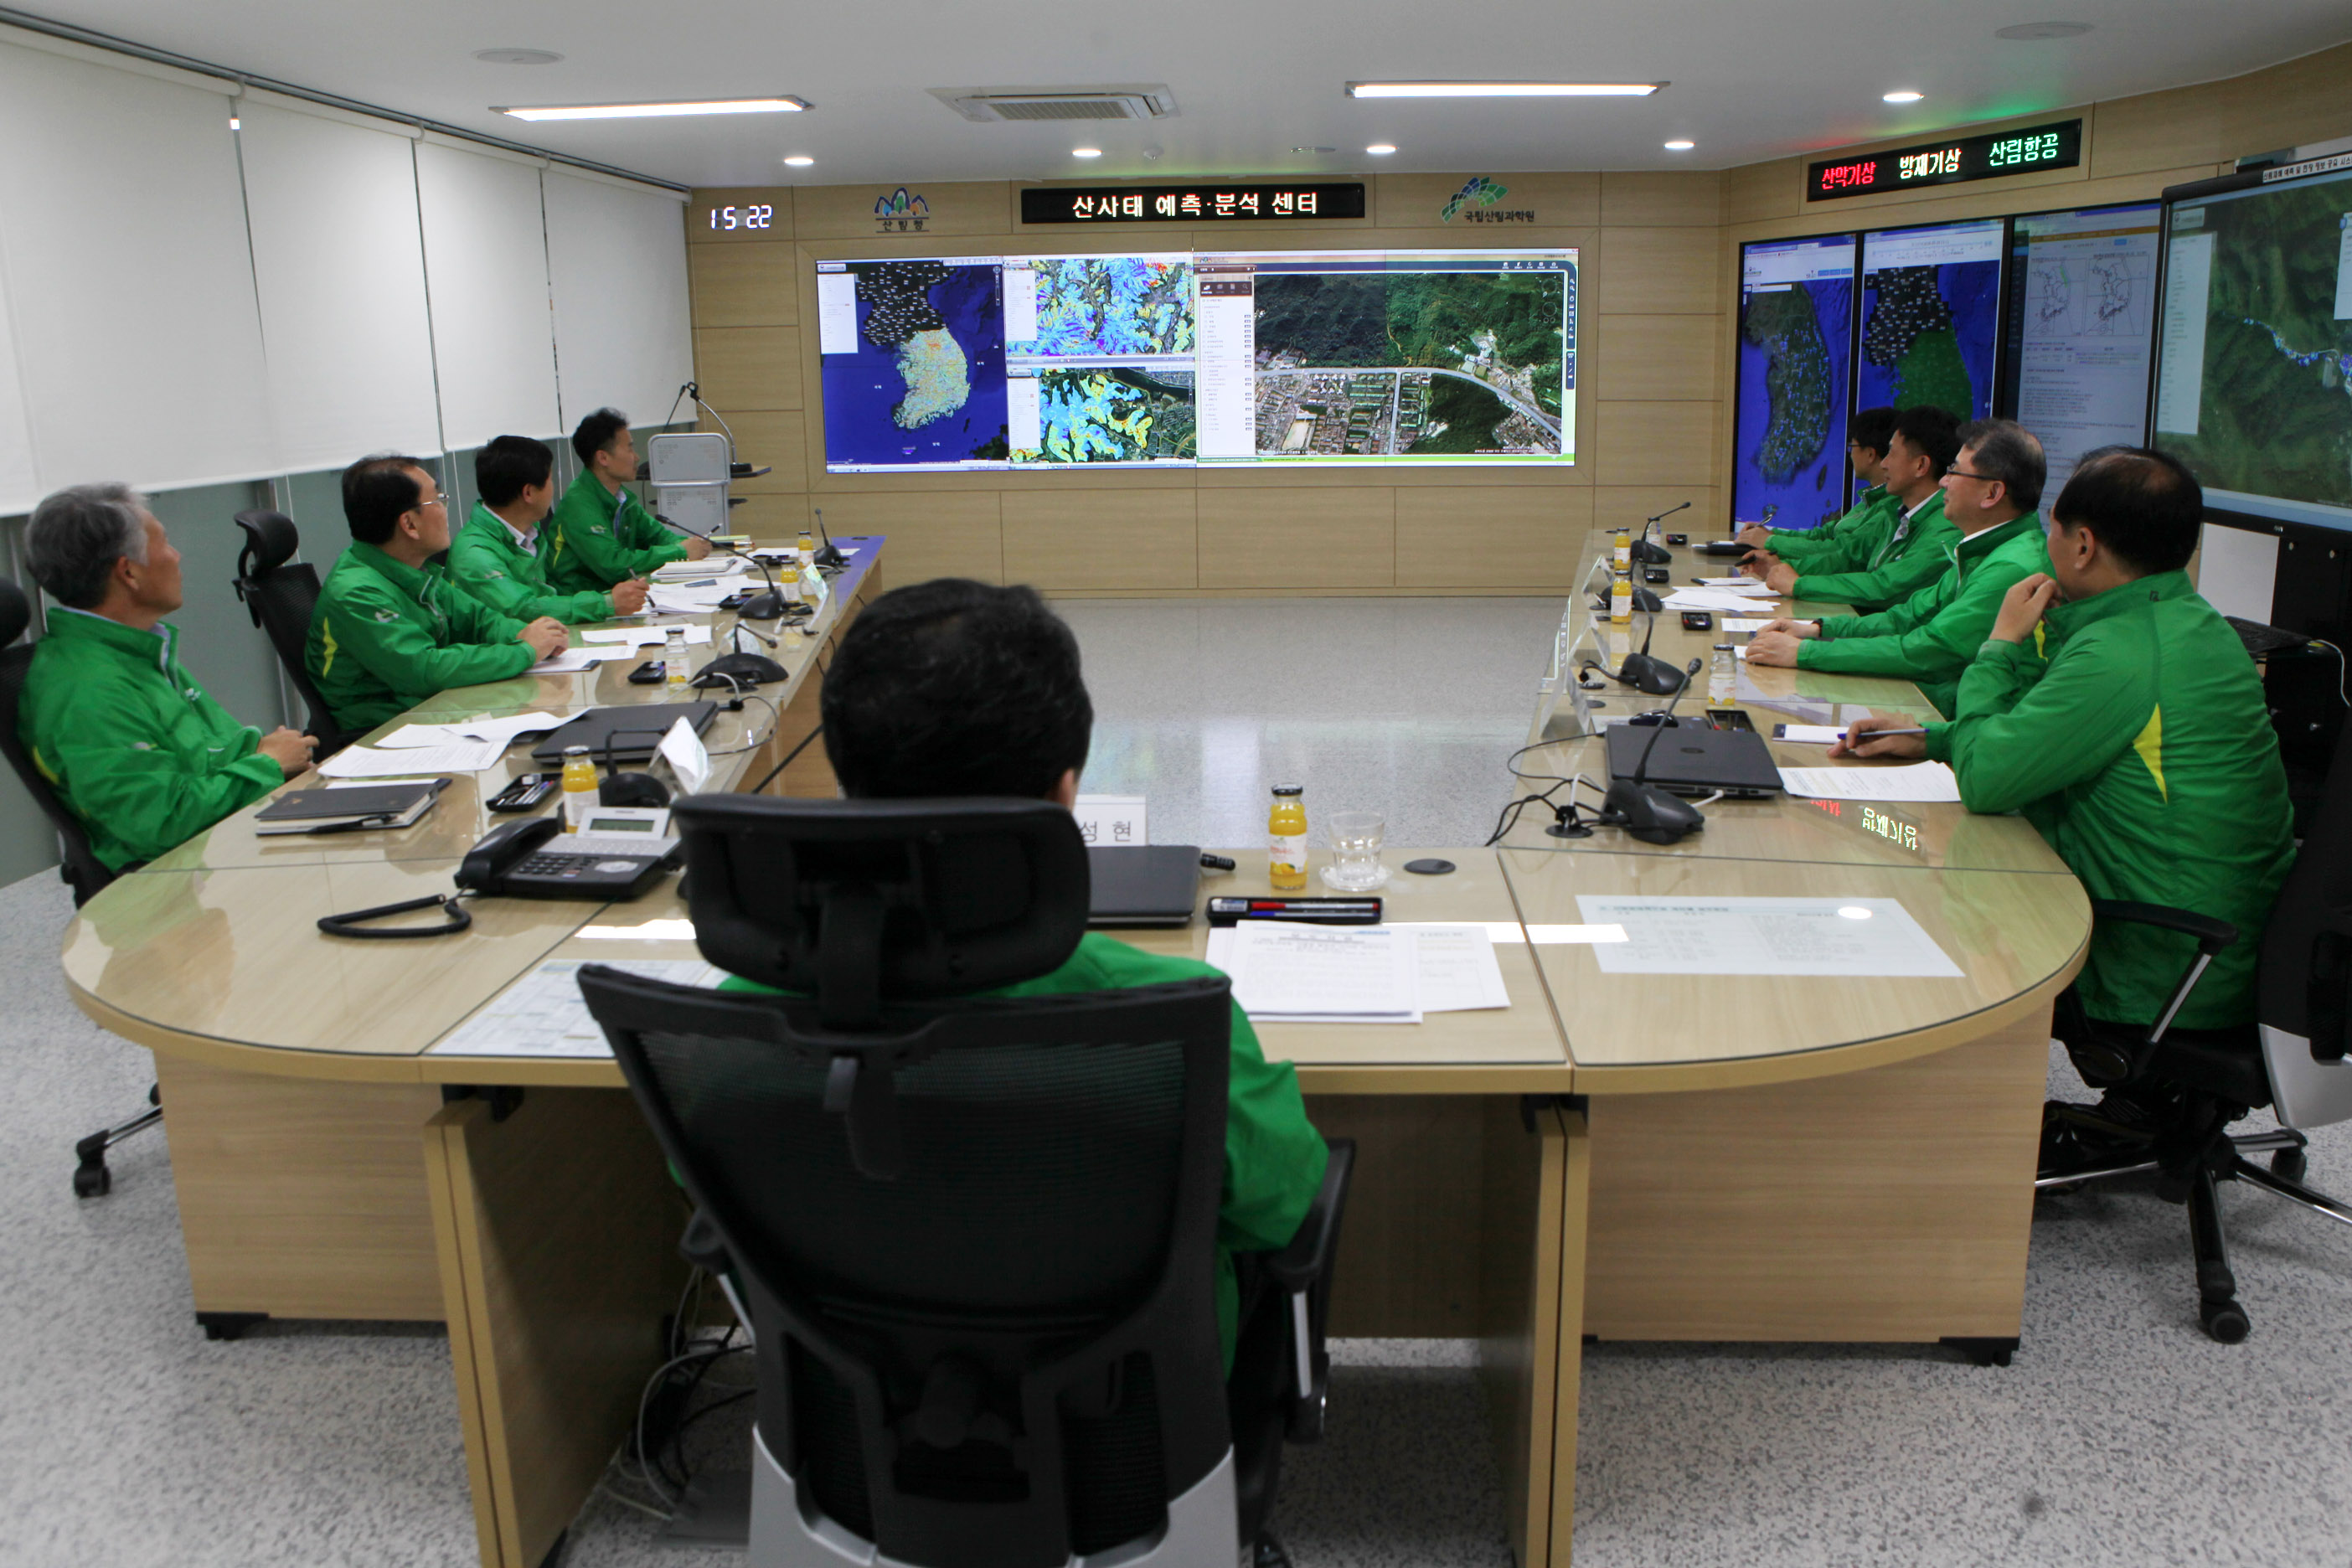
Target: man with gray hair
139 751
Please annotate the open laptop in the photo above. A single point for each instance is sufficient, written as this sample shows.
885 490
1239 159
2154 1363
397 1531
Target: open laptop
1691 759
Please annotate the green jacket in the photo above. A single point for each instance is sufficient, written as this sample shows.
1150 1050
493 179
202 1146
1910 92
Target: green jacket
1274 1156
1833 539
385 637
594 539
1893 558
1929 638
132 745
2143 751
484 560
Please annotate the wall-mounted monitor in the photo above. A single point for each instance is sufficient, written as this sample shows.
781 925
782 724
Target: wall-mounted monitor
2254 377
1931 317
1276 358
2082 318
1796 353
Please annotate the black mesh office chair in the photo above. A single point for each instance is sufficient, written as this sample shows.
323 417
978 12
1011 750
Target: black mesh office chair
280 593
80 870
972 1237
2298 1059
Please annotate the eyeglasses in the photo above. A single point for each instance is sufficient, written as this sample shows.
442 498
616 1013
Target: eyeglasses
1964 474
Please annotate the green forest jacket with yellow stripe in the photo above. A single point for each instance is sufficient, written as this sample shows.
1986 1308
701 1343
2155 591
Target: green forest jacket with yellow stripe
1893 558
594 539
138 749
1929 638
2143 751
386 636
1833 539
486 560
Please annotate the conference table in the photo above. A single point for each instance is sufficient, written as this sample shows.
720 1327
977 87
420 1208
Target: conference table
1678 1157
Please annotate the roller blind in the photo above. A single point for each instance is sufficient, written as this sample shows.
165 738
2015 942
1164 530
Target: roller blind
339 266
486 279
122 240
20 488
617 260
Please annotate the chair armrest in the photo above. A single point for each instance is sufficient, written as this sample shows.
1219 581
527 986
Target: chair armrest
2211 935
1307 1258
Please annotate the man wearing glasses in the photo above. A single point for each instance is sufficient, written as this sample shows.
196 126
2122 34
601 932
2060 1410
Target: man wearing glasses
1897 549
1989 494
391 629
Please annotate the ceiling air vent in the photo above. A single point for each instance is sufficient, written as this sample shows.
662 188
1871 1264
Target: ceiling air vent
991 104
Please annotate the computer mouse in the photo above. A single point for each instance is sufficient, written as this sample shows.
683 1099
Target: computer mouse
1651 814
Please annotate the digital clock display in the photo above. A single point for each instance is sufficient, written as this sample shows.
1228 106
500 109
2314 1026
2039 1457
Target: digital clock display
2058 146
753 216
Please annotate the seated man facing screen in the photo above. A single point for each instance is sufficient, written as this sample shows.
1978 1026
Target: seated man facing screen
1866 435
390 628
1989 493
955 688
601 535
495 557
135 748
1897 549
2142 749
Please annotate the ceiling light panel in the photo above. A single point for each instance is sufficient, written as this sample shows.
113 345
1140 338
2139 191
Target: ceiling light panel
654 110
1503 88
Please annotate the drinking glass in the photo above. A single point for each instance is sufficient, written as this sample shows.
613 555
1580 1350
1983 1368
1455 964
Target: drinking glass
1356 837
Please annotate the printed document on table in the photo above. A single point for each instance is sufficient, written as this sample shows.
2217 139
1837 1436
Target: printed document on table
543 1014
572 660
367 763
505 731
1753 587
638 637
1849 937
1716 599
1915 782
1730 624
1456 969
1322 975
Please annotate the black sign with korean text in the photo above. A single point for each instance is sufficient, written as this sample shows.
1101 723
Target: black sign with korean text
1962 158
1188 204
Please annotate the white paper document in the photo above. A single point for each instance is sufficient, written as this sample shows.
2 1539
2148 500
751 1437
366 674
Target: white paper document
1849 937
1915 782
543 1014
1320 975
505 731
1456 969
1751 586
572 660
1716 599
412 761
1807 734
638 637
1746 622
715 564
690 598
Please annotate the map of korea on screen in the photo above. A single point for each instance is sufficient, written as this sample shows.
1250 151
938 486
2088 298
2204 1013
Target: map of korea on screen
1795 340
1278 357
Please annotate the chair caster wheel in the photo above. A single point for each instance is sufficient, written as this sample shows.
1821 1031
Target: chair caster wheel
2289 1165
2225 1321
93 1180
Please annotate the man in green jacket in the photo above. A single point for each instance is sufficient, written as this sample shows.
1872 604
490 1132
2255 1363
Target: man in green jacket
2141 749
1929 638
1896 551
956 688
391 629
600 534
1868 434
133 746
495 557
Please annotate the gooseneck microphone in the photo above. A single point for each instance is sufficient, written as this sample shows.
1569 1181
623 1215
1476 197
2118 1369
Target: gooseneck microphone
828 556
1654 554
763 607
1653 676
1650 814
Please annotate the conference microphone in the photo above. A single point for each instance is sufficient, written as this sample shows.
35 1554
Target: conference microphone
738 669
828 556
1648 552
765 607
1654 676
1648 813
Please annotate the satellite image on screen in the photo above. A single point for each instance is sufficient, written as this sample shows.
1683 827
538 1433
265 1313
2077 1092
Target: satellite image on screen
927 382
1394 362
2271 414
1119 415
1928 331
1111 305
1793 348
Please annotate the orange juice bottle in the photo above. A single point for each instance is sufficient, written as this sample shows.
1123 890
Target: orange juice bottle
1285 839
580 792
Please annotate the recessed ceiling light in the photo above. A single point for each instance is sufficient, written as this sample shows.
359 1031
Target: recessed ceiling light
1086 152
1503 88
1380 148
517 56
652 111
1680 146
2029 31
1314 149
799 160
1902 95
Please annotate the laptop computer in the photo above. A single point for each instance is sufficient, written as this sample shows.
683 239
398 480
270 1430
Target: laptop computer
640 730
1691 759
1143 884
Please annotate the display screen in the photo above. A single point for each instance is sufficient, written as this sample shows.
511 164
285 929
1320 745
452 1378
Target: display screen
2082 317
1963 158
2254 380
1931 317
1176 357
1796 352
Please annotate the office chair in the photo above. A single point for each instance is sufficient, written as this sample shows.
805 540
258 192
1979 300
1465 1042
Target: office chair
80 869
2293 1059
971 1237
280 596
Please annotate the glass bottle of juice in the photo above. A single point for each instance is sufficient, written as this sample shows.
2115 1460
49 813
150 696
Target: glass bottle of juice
1285 839
1621 601
579 787
807 547
1624 560
673 662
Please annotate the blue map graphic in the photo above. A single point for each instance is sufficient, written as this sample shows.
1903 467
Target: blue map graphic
1112 305
1788 460
1971 292
926 382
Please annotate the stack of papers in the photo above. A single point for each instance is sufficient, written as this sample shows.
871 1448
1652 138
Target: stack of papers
698 595
505 731
412 761
543 1014
1915 782
1745 622
1730 599
1291 973
712 565
572 660
638 637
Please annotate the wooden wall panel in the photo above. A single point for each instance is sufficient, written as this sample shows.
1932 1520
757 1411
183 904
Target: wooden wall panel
1692 199
771 518
768 438
2158 131
1491 538
1612 504
1657 271
2286 106
1656 442
847 211
749 367
1658 358
1418 201
1260 538
744 285
937 534
1071 540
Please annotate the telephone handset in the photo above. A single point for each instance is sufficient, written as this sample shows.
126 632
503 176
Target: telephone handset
530 859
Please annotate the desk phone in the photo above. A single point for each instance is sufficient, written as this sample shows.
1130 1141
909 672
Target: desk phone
536 859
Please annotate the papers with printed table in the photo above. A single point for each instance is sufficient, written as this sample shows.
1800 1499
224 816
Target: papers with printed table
1840 937
410 762
1915 782
1451 969
1730 624
543 1014
572 660
505 731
